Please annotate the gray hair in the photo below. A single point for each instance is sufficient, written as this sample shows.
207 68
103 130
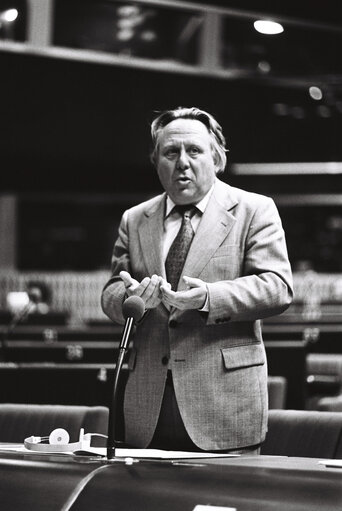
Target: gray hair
218 141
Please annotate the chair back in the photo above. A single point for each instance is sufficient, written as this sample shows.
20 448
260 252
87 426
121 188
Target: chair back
19 421
277 387
302 433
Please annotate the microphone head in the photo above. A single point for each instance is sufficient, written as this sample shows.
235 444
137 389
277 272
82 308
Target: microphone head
133 307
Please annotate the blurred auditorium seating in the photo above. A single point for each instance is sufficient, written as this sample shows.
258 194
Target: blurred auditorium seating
297 343
330 403
324 377
277 386
19 421
77 293
325 364
301 433
317 296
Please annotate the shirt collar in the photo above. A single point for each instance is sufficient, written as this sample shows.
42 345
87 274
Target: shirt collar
201 205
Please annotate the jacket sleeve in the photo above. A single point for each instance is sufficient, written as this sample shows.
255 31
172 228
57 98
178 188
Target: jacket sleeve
113 294
265 287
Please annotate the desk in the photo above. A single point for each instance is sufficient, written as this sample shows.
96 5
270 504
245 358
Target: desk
38 483
48 482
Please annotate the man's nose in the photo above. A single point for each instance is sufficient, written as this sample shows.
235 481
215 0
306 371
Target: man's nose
183 160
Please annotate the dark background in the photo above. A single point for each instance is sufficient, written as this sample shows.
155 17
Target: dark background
82 126
74 136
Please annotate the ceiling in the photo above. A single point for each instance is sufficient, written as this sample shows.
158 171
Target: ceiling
314 10
307 52
67 121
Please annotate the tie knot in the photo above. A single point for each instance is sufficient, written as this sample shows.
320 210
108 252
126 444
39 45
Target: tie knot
186 211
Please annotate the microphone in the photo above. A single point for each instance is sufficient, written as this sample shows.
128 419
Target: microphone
133 310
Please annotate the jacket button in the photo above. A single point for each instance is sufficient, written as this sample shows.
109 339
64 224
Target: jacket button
165 360
173 323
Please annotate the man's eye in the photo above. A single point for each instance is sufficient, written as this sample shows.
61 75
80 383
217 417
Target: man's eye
170 153
194 150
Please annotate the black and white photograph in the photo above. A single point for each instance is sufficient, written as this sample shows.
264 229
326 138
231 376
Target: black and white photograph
170 255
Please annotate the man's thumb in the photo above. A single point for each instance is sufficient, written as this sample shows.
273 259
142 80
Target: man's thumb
192 282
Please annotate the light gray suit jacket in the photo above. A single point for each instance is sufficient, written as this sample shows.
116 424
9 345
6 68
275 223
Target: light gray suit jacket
217 358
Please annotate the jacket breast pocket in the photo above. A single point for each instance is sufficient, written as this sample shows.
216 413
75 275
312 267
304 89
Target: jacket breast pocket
238 357
225 264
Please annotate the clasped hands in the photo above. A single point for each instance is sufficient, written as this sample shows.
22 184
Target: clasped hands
154 290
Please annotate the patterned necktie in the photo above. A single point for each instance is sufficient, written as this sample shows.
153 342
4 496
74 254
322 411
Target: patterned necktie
178 251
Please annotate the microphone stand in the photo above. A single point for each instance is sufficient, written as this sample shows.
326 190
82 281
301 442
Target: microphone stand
112 422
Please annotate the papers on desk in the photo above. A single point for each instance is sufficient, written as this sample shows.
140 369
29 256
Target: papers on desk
124 453
12 447
155 453
331 463
213 508
22 449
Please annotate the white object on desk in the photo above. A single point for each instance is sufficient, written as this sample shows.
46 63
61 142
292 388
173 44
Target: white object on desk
331 463
199 507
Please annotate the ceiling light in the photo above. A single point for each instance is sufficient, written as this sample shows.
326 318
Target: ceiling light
128 10
315 93
148 36
264 66
268 27
125 34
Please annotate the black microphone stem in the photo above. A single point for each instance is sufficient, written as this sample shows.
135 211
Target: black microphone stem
112 422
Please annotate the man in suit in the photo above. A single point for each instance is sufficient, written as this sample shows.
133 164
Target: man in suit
197 368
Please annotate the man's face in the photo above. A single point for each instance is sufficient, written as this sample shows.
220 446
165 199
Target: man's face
185 163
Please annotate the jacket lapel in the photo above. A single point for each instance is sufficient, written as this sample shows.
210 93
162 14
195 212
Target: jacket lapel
214 227
151 237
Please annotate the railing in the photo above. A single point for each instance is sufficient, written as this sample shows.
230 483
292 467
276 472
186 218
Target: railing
204 27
